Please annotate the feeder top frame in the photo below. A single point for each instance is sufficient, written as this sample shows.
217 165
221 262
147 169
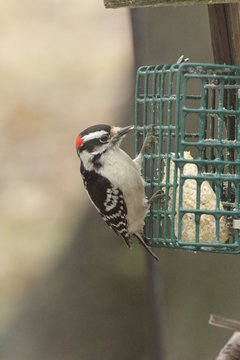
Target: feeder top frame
155 3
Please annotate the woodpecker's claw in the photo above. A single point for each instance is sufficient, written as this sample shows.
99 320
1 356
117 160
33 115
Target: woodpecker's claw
148 141
159 194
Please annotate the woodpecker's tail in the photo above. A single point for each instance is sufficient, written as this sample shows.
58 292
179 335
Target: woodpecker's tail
139 237
127 241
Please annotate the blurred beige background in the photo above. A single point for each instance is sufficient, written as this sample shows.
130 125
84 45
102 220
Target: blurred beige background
63 66
69 289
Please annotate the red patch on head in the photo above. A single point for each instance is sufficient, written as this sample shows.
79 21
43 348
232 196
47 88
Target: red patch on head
79 142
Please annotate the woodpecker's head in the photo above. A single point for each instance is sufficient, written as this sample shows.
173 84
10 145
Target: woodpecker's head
97 139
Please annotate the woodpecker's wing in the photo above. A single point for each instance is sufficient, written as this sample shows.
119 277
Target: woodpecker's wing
109 202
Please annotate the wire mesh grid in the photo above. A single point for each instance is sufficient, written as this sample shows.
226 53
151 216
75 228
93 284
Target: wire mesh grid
192 112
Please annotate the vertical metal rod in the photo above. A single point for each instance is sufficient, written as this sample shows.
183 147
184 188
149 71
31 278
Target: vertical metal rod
154 290
224 22
153 274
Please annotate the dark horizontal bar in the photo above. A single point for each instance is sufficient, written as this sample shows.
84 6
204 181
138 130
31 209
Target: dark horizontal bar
233 249
217 86
204 162
226 76
209 212
210 112
213 143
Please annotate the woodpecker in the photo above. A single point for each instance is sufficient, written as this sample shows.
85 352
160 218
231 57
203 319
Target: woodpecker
113 180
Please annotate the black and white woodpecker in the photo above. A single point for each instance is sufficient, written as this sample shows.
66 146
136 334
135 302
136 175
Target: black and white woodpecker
113 180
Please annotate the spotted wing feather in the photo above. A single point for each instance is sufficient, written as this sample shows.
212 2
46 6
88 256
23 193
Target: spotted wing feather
109 202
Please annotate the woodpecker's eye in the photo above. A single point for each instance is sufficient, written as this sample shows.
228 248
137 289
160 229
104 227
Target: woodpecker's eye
104 138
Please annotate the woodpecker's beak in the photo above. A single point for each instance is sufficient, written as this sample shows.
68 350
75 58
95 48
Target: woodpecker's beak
118 133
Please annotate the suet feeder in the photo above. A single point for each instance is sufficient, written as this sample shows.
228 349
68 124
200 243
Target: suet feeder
193 114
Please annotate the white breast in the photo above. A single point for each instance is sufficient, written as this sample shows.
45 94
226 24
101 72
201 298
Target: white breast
120 169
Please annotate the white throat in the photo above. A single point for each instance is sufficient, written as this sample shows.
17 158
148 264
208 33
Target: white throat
86 159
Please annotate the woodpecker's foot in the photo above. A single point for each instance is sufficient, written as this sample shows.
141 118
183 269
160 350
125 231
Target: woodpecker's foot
158 195
148 141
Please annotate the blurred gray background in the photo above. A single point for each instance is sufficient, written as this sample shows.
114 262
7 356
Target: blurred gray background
69 287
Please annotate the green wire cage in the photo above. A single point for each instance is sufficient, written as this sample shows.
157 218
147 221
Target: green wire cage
192 112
